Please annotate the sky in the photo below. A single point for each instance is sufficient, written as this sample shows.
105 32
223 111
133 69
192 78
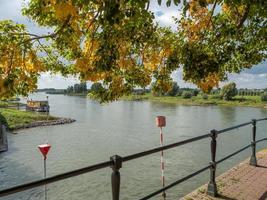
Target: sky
11 9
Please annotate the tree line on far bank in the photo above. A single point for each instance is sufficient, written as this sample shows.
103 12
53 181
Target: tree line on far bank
227 92
76 89
79 88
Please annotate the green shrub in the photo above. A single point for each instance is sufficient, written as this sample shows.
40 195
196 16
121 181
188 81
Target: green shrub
187 95
229 91
216 96
174 90
179 93
195 92
96 87
205 96
264 96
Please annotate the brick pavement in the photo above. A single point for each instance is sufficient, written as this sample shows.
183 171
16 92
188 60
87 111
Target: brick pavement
242 182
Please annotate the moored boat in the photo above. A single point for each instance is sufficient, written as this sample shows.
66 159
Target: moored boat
39 106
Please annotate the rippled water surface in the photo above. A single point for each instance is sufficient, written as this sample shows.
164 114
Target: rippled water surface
122 128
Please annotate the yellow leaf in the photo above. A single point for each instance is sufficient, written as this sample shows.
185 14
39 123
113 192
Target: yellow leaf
63 10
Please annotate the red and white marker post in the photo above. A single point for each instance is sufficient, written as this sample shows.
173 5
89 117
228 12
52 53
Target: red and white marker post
44 149
161 122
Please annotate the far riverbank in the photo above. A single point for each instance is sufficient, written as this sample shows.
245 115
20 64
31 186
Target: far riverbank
247 101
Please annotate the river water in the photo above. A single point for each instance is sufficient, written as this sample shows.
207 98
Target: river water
123 128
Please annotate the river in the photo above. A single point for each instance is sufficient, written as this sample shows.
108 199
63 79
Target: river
123 128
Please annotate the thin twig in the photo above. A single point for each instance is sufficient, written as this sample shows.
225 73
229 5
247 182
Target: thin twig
11 61
211 13
36 37
148 4
48 54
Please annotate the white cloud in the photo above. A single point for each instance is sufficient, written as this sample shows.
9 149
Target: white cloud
167 19
242 80
263 75
10 10
246 80
48 80
165 15
177 76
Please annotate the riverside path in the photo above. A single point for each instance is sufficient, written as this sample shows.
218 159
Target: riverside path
242 182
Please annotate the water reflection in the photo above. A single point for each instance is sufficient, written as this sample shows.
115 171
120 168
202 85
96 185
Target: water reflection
228 114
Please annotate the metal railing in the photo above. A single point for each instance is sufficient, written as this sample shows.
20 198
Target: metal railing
116 161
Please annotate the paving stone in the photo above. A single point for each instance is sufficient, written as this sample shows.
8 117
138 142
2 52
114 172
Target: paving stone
242 182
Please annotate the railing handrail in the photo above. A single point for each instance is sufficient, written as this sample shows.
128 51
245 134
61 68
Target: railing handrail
111 163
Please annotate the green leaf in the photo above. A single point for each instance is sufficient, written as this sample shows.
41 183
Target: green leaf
168 3
176 2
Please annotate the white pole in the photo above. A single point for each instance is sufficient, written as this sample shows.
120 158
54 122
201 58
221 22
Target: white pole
162 164
45 177
44 148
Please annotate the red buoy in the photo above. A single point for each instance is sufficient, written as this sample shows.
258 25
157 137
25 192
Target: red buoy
161 121
44 148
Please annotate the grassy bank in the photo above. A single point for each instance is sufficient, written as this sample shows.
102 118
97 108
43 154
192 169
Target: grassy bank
4 104
17 118
251 101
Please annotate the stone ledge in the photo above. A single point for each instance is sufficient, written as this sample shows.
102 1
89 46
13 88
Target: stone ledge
45 123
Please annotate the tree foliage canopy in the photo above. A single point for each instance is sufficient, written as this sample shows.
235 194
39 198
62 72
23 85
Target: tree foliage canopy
229 91
221 42
118 43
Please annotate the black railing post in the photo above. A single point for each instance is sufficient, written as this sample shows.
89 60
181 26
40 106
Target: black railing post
115 176
212 187
253 159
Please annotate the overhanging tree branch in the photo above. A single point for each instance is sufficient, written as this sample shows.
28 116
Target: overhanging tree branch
52 35
211 12
244 16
